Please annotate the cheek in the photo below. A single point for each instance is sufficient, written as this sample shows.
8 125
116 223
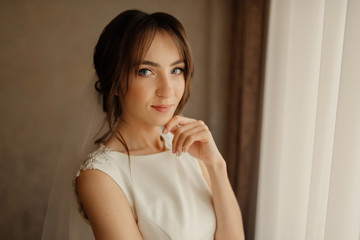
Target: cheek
138 90
179 89
136 95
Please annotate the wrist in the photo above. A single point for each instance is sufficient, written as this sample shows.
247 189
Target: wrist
216 163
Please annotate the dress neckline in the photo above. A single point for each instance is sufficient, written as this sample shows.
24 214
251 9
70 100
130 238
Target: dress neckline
167 143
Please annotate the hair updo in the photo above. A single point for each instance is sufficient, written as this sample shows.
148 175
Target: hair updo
121 48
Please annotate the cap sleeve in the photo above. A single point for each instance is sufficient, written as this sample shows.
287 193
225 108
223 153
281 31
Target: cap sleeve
117 167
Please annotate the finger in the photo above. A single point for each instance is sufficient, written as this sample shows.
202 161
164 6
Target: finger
177 130
188 134
175 121
200 136
182 132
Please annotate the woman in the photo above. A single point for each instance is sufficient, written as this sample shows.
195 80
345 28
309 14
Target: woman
156 174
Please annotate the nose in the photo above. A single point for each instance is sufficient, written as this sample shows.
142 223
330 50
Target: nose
164 88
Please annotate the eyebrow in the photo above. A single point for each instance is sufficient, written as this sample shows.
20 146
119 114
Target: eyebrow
150 63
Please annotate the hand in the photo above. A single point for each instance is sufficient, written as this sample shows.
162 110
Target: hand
192 136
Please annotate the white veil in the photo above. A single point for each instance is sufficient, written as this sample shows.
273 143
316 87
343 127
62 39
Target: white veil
62 220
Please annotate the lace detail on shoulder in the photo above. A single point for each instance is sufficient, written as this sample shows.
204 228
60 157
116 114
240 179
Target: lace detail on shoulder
100 155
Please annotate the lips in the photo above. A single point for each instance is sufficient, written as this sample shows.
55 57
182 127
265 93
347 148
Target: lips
163 108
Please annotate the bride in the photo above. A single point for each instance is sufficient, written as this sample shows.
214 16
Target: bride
155 174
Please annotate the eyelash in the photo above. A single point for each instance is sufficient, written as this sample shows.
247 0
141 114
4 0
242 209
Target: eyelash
180 69
142 70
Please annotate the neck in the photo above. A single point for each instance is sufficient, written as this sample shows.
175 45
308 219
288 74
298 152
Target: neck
140 140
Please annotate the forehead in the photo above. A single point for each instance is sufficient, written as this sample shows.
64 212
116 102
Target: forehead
162 49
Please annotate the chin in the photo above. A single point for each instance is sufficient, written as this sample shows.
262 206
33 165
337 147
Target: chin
163 122
165 119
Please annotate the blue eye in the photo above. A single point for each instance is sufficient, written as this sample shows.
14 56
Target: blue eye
177 71
144 72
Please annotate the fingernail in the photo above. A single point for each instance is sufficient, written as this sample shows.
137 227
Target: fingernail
165 130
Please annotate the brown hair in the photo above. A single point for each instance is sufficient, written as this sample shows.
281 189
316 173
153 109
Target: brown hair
121 48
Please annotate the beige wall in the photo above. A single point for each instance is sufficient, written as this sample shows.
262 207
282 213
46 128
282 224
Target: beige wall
45 59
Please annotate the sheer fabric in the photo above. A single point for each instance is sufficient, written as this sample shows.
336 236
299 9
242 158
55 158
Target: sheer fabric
62 220
309 166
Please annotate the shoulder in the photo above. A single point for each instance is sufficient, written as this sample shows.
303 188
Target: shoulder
103 169
93 181
114 164
104 193
110 162
106 206
98 157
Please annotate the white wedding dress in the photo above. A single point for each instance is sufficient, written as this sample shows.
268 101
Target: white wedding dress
168 194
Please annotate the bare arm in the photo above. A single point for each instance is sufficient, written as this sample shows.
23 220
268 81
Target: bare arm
194 137
228 215
107 207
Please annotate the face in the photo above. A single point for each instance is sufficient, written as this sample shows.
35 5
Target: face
156 89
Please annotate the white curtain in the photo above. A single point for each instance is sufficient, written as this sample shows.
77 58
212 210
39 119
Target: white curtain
309 186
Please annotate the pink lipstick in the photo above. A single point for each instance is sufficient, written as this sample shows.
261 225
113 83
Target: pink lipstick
163 108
